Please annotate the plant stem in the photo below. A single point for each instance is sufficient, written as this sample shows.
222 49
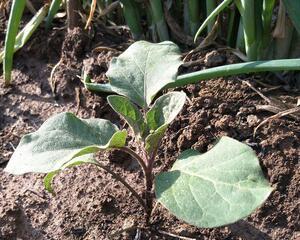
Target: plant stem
240 40
30 7
283 44
267 13
194 15
159 19
295 46
210 7
120 179
132 18
72 12
247 11
177 10
149 183
54 7
148 193
15 16
283 34
212 16
147 166
186 18
231 26
136 157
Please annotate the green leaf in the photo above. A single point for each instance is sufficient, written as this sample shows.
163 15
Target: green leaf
48 179
162 113
165 109
60 139
129 112
153 139
95 87
216 188
143 70
292 8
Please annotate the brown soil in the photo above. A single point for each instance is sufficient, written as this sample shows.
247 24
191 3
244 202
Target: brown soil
90 204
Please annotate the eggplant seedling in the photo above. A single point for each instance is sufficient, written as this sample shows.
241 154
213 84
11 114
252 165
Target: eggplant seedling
212 189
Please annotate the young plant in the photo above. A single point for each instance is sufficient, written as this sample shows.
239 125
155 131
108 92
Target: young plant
207 190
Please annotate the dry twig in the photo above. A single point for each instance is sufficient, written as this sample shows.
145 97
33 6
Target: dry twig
276 116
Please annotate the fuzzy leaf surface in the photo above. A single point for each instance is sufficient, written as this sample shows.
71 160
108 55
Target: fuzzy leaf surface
215 188
162 113
143 70
60 139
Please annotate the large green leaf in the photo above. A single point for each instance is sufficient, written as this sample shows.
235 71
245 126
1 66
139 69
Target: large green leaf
60 139
129 112
216 188
162 113
143 70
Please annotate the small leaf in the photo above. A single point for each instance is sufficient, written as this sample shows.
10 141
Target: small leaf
143 70
91 86
60 139
165 109
153 139
48 179
216 188
129 112
163 112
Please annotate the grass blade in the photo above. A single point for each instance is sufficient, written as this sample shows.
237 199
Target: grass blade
240 40
293 7
247 11
295 46
233 22
132 18
217 10
267 13
194 15
159 19
54 7
210 6
236 69
12 30
27 31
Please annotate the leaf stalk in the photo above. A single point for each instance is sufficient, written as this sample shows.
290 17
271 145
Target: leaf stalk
121 180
